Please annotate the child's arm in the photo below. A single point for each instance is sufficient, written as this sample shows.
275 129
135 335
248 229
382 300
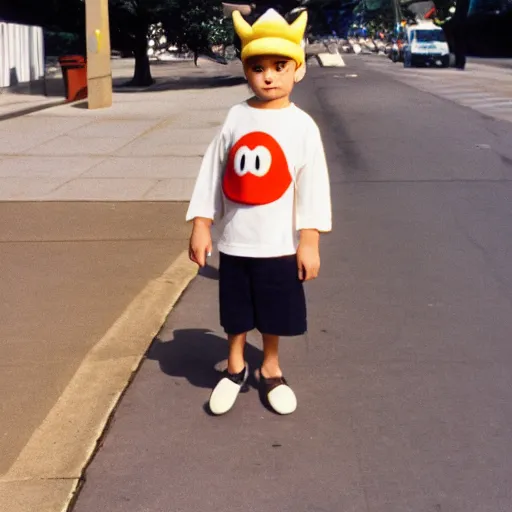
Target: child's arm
200 245
313 209
308 254
206 200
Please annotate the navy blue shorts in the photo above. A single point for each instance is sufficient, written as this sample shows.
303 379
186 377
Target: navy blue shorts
261 293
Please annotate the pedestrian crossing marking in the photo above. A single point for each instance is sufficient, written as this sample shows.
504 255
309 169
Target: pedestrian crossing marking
494 99
494 104
469 94
452 90
461 88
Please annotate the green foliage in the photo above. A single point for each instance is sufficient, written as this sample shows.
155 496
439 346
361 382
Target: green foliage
63 43
63 22
58 15
198 24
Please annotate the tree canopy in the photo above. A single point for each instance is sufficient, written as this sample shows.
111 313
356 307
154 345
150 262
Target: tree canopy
198 24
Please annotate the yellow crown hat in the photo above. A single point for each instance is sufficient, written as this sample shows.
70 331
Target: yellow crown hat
271 34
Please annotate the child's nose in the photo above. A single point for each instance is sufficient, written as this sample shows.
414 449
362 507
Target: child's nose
268 76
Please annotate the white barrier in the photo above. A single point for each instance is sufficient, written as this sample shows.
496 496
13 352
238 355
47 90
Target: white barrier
331 60
21 54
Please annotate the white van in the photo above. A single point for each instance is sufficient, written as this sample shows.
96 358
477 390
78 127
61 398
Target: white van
425 45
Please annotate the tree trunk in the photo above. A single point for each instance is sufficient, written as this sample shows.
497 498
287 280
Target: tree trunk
460 46
142 75
456 31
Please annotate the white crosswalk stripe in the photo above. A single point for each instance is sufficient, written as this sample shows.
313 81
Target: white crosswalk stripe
481 88
468 95
493 104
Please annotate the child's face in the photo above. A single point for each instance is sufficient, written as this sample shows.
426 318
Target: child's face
271 78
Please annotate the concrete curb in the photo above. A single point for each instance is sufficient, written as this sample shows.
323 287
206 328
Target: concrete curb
46 474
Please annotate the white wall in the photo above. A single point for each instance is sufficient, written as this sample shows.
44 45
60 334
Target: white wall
21 54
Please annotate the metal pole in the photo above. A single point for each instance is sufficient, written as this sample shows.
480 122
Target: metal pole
99 72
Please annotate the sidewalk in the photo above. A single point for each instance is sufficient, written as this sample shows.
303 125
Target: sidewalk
49 92
93 238
71 153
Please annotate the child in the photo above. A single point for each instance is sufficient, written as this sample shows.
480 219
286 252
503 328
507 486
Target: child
266 176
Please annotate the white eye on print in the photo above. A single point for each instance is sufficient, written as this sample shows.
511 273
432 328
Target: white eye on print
256 161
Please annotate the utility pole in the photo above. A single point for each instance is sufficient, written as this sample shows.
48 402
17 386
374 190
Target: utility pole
99 72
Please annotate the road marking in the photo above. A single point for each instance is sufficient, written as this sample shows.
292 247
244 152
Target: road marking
456 92
493 102
453 86
469 95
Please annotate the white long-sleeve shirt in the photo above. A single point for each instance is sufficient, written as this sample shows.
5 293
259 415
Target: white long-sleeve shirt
265 178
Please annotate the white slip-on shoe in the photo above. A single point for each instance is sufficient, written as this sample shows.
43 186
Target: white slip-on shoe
226 391
278 394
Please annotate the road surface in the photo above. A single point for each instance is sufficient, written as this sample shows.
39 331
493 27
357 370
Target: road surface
489 61
404 380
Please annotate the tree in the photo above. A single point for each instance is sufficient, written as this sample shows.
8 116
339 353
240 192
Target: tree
129 27
192 23
452 15
201 24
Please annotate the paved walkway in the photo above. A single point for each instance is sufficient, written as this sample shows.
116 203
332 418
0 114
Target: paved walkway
70 270
146 147
92 238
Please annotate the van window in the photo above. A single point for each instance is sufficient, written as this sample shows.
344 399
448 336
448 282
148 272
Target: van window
429 36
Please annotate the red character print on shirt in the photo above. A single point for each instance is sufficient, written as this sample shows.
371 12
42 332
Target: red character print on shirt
257 171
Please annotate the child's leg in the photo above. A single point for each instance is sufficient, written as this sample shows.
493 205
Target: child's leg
280 308
236 360
273 386
226 391
270 366
236 316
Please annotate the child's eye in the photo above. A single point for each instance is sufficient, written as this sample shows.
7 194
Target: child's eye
257 69
280 67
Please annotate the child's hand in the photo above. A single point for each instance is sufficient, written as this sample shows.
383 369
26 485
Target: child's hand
200 241
308 254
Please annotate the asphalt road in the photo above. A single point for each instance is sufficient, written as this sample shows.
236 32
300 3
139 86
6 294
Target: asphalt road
404 379
502 62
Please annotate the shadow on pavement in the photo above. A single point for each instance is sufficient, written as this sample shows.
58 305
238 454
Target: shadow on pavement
209 272
182 83
194 354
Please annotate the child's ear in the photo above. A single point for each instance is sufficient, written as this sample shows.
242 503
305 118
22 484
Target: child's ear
299 73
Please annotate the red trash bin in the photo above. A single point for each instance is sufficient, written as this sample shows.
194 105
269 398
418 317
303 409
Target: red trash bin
74 72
